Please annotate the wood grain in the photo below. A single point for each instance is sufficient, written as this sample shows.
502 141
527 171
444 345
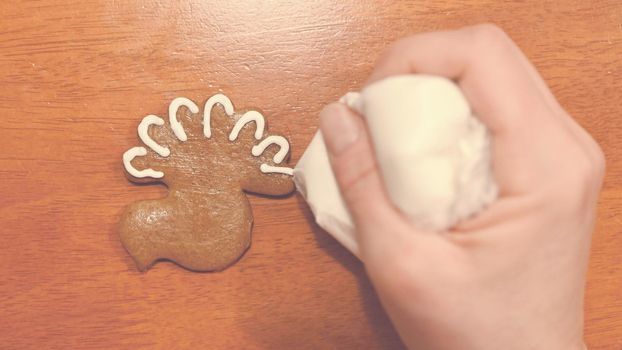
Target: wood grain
76 77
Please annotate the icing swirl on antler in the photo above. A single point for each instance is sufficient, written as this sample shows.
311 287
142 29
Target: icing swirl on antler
176 126
143 133
132 153
178 131
207 111
250 116
280 141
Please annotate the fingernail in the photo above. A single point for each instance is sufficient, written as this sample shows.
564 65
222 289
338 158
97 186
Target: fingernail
339 128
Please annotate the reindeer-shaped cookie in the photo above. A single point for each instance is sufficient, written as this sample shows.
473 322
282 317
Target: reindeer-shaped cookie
207 159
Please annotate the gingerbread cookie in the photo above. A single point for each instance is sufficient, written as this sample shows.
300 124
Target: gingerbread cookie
205 221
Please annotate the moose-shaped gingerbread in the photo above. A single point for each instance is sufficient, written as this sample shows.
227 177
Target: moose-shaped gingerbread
205 221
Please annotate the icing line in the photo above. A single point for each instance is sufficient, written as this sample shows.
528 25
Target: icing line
178 130
265 168
132 153
143 133
257 150
176 126
250 116
207 111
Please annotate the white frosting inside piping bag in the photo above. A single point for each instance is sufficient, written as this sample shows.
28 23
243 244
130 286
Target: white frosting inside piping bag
316 182
433 154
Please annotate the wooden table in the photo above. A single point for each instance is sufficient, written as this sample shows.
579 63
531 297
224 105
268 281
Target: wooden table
77 77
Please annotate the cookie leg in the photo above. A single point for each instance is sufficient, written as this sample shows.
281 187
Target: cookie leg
143 228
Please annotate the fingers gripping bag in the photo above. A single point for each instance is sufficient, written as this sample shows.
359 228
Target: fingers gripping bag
432 151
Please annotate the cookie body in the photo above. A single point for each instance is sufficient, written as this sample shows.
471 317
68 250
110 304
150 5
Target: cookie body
207 158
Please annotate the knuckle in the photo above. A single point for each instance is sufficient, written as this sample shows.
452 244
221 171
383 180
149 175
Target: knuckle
590 168
579 183
580 170
397 51
358 191
394 50
600 162
489 35
592 153
583 171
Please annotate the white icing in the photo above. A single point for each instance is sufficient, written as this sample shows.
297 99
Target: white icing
433 153
176 126
132 153
143 133
316 183
250 116
207 111
257 150
265 168
178 130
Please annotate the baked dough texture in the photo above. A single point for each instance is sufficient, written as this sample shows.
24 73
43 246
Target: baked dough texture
205 221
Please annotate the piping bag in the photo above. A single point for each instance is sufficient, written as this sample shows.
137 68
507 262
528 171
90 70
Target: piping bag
433 155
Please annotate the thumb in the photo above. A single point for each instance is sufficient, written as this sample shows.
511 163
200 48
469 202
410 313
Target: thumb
356 170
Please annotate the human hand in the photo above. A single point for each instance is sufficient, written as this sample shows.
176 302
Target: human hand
513 276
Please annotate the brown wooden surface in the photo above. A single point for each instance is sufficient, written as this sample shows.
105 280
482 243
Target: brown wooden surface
77 77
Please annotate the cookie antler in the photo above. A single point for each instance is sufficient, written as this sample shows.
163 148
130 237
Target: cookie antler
248 117
283 144
176 126
179 132
204 222
207 111
132 153
143 133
